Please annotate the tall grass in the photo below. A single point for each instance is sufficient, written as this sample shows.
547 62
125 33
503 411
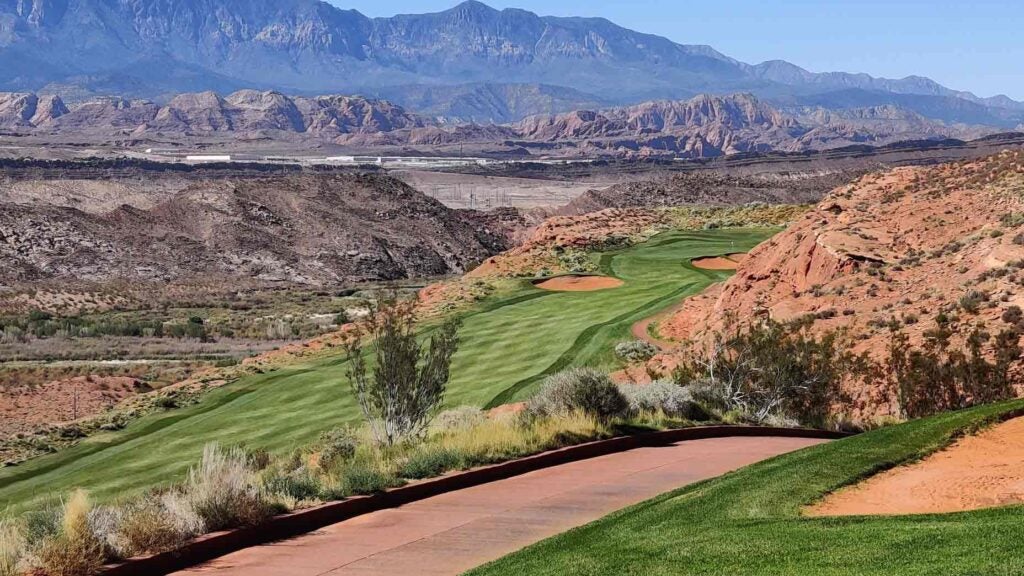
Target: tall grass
76 550
12 548
225 491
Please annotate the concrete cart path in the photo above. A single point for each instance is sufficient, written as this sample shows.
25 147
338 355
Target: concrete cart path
453 532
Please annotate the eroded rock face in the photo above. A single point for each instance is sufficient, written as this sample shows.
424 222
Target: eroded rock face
897 245
309 228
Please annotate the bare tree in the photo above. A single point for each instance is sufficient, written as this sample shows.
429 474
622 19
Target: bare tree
407 382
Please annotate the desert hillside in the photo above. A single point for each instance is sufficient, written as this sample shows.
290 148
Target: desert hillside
899 246
308 228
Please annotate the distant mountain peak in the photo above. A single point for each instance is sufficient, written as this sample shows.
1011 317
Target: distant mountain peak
157 48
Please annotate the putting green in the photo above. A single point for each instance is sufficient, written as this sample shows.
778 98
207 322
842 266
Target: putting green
509 343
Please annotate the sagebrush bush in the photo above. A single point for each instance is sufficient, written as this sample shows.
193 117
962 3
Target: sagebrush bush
710 394
635 351
663 396
224 490
336 446
458 419
429 461
578 389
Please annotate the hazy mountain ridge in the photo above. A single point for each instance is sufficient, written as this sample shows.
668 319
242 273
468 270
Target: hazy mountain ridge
205 113
153 48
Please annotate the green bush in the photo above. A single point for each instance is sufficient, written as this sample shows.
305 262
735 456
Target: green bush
429 461
578 389
362 478
336 446
297 485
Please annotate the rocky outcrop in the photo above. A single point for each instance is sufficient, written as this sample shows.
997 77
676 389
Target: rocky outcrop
901 245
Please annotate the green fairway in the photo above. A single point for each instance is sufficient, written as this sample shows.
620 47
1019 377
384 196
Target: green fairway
748 522
509 343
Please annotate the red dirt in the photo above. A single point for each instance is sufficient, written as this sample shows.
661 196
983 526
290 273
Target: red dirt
979 471
26 408
579 283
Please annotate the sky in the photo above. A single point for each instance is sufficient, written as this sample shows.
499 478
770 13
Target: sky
966 45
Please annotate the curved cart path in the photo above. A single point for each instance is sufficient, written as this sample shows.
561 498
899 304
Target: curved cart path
454 532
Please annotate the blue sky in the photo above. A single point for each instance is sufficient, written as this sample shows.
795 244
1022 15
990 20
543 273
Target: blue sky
967 45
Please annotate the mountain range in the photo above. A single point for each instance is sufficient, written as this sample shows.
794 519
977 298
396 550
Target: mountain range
702 127
469 63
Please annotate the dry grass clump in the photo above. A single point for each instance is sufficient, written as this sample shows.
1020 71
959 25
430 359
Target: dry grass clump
12 548
225 491
75 550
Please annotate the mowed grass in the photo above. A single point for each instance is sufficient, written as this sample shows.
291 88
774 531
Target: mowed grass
749 523
509 344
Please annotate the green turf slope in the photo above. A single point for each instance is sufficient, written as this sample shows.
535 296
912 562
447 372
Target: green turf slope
509 344
748 523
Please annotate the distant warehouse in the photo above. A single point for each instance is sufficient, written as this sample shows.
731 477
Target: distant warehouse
209 158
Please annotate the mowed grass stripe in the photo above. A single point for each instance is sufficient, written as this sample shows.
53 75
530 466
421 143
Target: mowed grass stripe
506 339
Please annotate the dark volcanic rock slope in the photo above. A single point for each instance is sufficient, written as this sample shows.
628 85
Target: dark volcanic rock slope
316 229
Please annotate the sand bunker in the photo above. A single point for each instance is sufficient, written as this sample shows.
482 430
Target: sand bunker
727 262
716 263
980 471
579 283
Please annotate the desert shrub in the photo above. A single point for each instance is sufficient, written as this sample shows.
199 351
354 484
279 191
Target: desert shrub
336 446
574 260
428 461
296 486
38 525
635 351
772 368
971 301
578 389
939 375
663 396
408 382
225 491
459 419
709 393
147 527
365 478
1013 315
75 550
